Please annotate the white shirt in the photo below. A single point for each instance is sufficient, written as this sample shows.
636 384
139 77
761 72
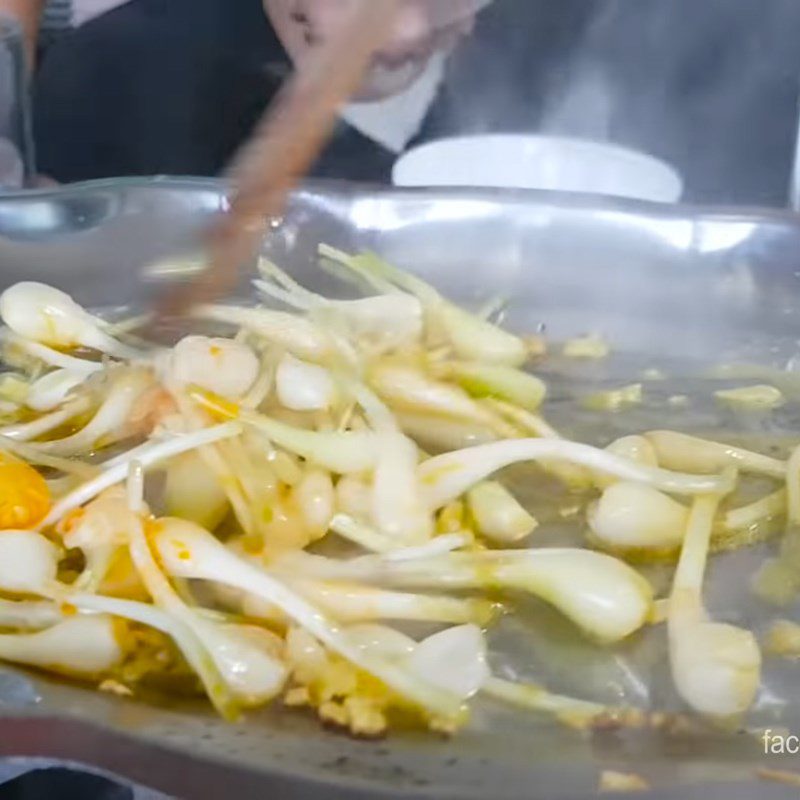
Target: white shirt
395 121
58 15
84 10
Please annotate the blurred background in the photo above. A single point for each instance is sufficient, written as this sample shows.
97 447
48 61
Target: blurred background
711 87
171 86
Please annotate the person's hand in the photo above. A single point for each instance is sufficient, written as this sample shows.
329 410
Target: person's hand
43 182
27 13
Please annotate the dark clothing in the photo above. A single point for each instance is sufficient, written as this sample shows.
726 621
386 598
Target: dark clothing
168 87
63 784
173 86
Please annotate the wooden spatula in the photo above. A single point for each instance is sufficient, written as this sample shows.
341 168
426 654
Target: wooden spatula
285 144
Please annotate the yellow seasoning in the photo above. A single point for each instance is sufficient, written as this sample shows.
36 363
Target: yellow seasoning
214 403
24 495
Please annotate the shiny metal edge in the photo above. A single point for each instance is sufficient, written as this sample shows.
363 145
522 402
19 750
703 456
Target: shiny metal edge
349 189
171 763
55 740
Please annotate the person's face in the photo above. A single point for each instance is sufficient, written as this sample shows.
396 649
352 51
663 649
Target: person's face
422 28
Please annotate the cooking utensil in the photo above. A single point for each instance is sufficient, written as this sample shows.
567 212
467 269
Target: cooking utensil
285 144
645 276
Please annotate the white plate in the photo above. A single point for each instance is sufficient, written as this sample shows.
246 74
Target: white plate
539 162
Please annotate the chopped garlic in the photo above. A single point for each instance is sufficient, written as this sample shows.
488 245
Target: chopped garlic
591 346
679 400
779 776
755 398
653 374
611 781
115 687
783 639
615 399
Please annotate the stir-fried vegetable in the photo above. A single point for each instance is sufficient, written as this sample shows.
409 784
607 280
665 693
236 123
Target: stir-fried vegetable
24 494
602 595
754 398
637 517
250 516
447 476
28 562
681 452
471 337
223 366
489 380
615 399
497 514
46 315
303 387
716 666
79 647
52 389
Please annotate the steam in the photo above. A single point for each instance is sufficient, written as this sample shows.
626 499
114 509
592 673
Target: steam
717 50
675 77
711 85
587 107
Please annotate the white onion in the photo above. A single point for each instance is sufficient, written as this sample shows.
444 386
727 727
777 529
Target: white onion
453 659
637 516
398 508
497 513
222 366
85 646
28 562
302 386
314 497
52 389
49 316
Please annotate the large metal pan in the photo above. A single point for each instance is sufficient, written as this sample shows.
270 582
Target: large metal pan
664 282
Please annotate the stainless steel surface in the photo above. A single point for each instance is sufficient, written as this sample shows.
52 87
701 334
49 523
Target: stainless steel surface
662 282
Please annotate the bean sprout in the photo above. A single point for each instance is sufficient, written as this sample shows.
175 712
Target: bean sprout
252 515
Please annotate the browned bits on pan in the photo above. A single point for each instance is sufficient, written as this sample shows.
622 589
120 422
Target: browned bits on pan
779 776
